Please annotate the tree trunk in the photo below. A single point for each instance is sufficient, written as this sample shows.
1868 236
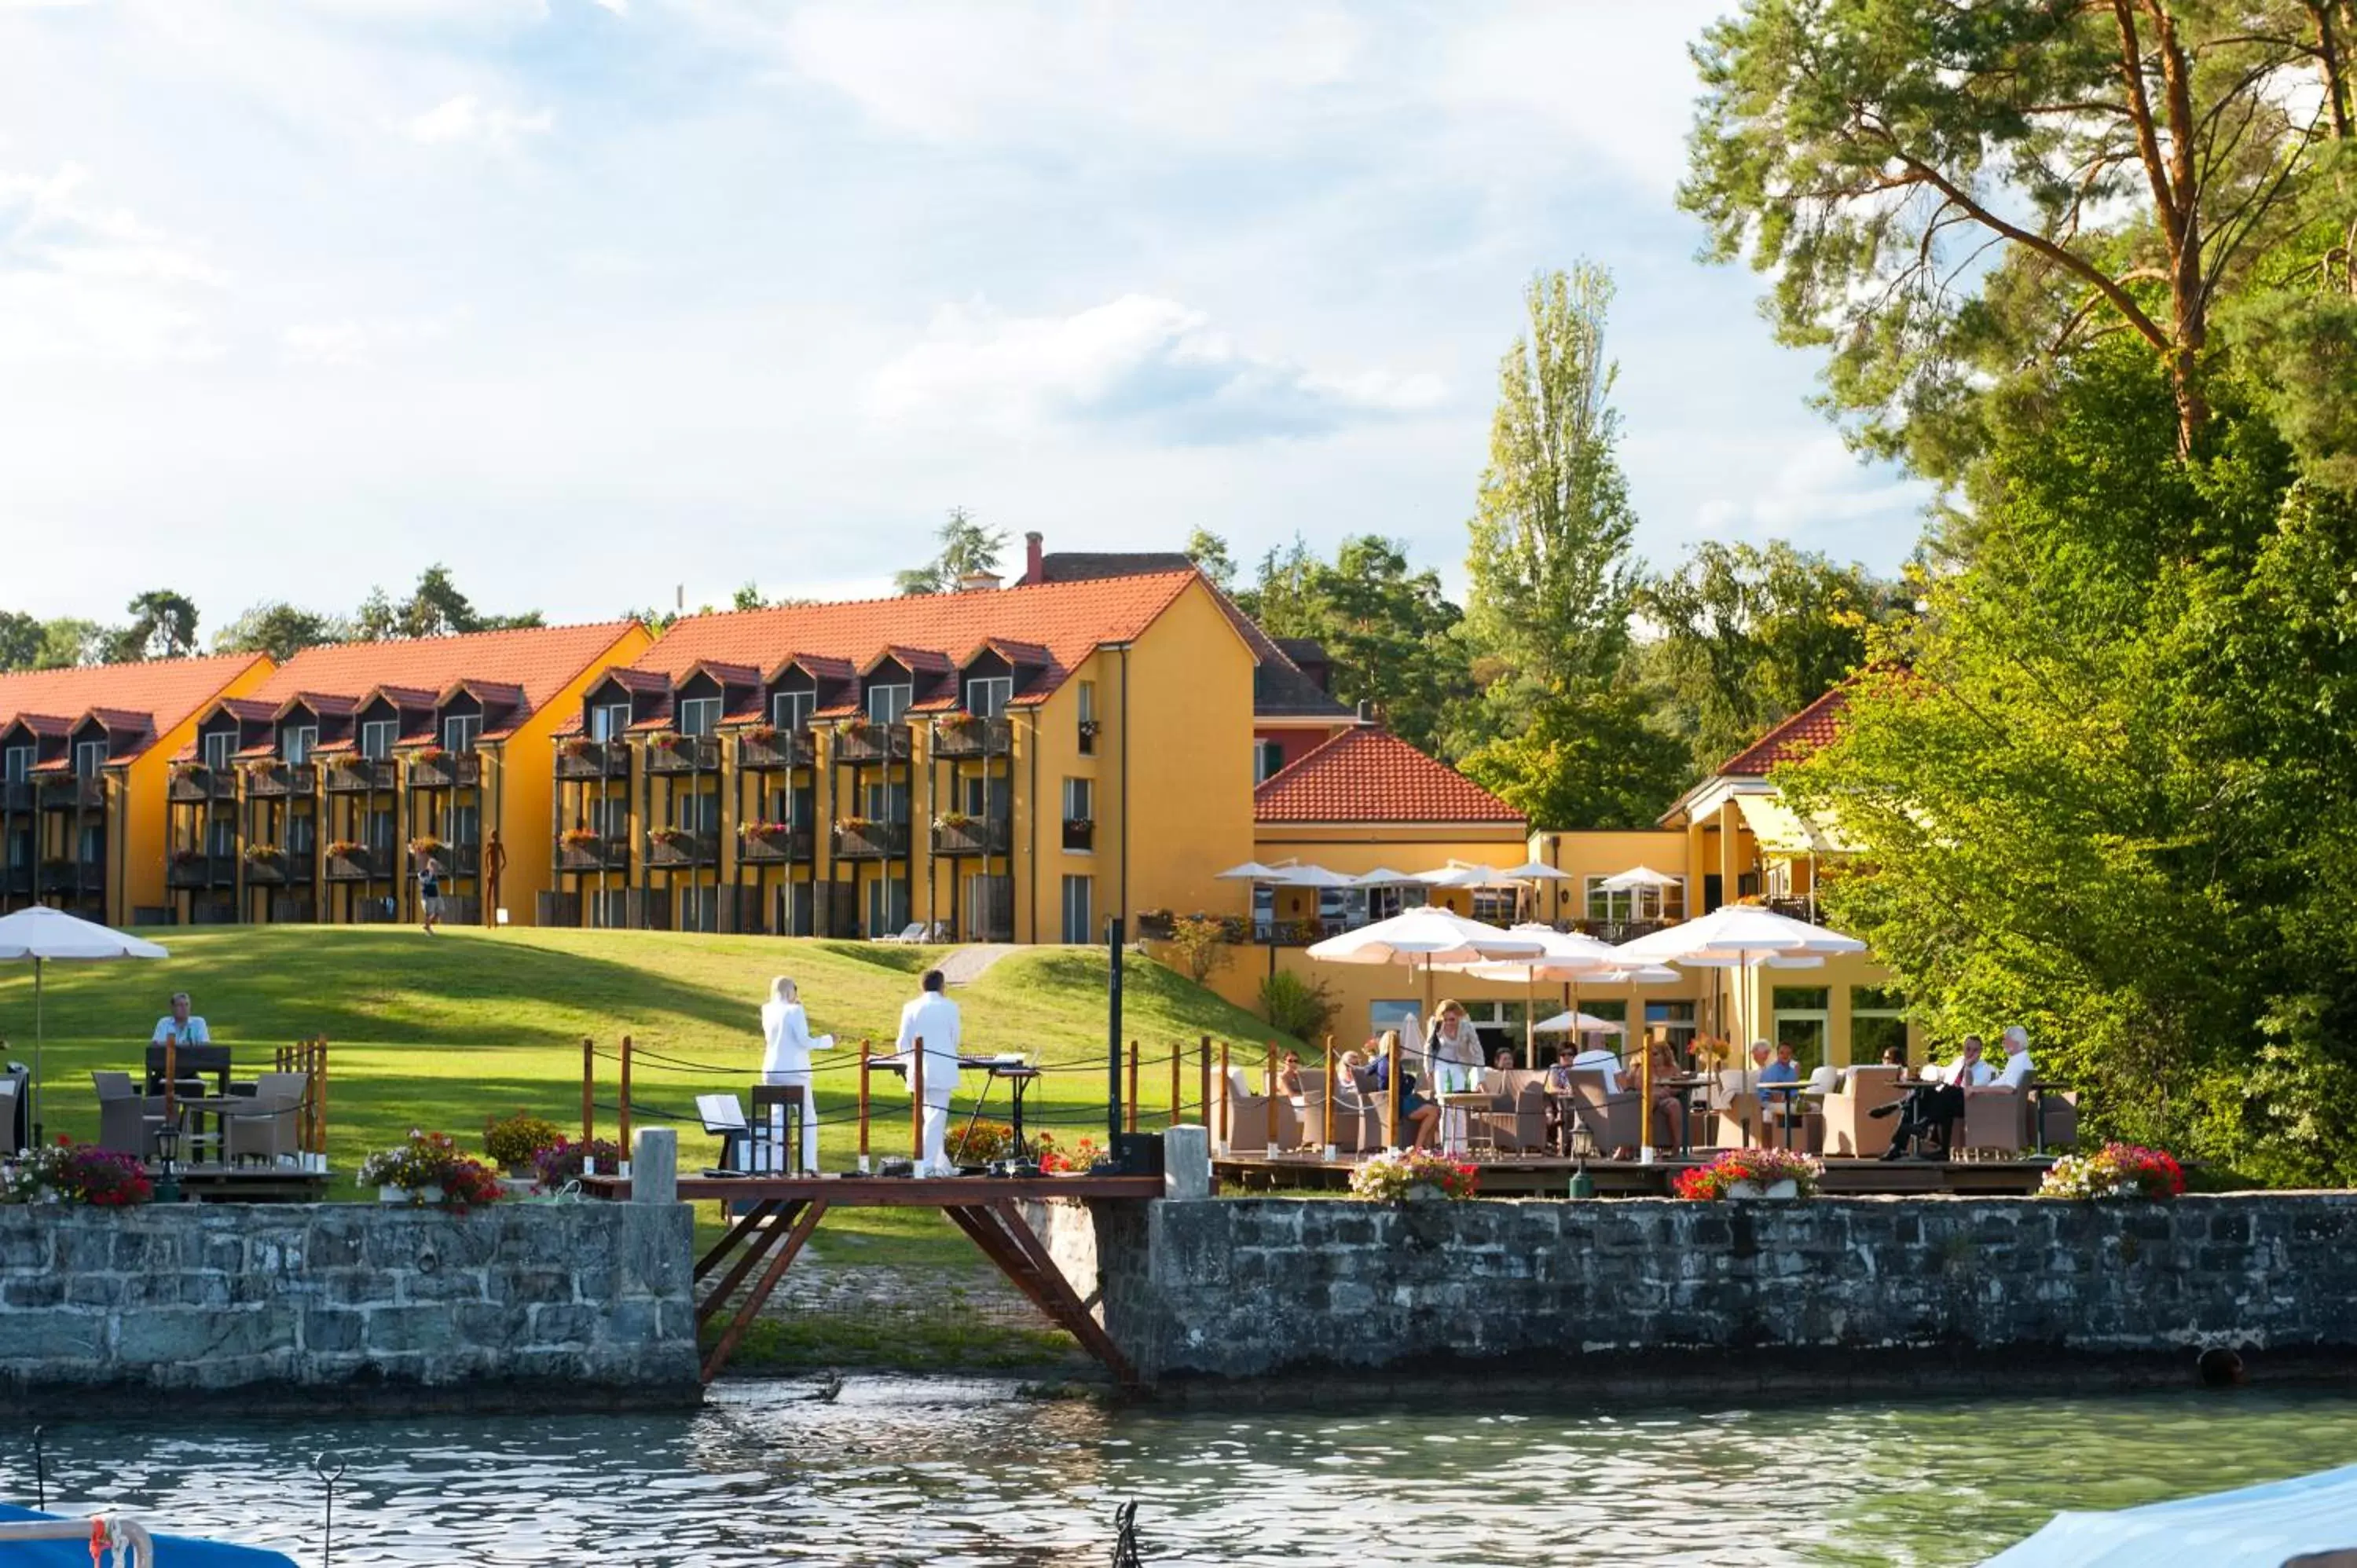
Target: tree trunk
2177 200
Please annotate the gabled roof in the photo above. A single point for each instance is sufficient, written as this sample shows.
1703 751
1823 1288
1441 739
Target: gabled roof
119 719
245 710
916 660
401 697
48 724
1013 650
1371 776
1070 620
728 674
1095 566
541 660
167 691
639 682
325 705
1789 741
818 665
491 693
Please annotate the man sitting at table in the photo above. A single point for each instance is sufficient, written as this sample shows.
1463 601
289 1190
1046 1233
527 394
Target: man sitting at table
1774 1102
181 1027
1597 1057
1934 1106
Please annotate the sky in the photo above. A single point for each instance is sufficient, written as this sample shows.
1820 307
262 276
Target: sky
602 302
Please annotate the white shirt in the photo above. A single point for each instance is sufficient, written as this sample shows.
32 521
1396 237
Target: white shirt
1976 1077
1597 1056
192 1033
933 1018
2018 1068
786 1042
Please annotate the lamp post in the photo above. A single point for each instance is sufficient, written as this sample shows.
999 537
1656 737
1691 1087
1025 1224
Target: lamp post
167 1149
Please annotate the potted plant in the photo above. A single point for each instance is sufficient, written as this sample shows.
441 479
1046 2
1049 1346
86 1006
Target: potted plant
856 824
262 854
1404 1175
68 1172
431 753
425 844
345 849
955 820
1075 1160
186 770
575 748
2116 1171
760 734
565 1161
1751 1173
667 837
580 838
980 1142
514 1142
1089 728
664 740
764 832
429 1167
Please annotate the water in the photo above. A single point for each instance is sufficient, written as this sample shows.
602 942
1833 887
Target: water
959 1474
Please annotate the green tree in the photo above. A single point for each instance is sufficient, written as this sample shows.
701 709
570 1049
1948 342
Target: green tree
434 608
1210 553
2126 163
20 640
965 547
1597 762
279 629
163 625
748 597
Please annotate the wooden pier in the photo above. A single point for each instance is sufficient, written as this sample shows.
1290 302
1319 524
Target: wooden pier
1551 1177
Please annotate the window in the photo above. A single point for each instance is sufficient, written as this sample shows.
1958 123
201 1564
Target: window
609 816
466 824
987 696
790 711
1803 1022
301 739
460 731
1674 1019
1088 718
90 756
699 716
381 835
218 749
1264 913
1080 814
93 841
886 802
608 720
220 838
1078 924
1877 1022
302 837
888 905
700 814
1495 905
1268 757
377 737
987 797
17 764
1626 905
887 704
1341 908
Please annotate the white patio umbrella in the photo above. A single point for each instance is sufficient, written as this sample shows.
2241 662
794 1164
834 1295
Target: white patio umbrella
1534 874
1639 880
1310 876
1586 1023
1250 871
42 935
1384 876
1746 934
1458 874
1562 956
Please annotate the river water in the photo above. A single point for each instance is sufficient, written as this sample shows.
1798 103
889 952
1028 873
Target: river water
963 1475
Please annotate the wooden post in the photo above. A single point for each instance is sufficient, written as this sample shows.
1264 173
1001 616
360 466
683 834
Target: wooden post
1391 1091
864 1048
589 1085
622 1105
1227 1110
1174 1085
1268 1095
172 1076
320 1109
1327 1099
917 1106
1132 1111
1203 1101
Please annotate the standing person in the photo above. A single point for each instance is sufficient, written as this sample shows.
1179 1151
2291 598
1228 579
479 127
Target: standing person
181 1027
1452 1049
786 1059
429 889
495 864
933 1019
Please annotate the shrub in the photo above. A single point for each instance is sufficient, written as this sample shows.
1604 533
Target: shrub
1199 946
981 1144
1302 1008
432 1160
1080 1156
515 1141
79 1173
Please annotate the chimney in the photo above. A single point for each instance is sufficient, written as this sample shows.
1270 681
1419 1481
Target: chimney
978 582
1034 570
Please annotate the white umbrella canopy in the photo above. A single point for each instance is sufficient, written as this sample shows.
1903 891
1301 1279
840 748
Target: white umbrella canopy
1739 936
43 934
1459 875
1586 1023
1637 876
1563 956
1250 871
1429 937
1384 876
1537 871
1310 876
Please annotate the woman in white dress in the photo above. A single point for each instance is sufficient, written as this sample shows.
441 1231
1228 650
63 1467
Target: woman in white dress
1452 1064
786 1057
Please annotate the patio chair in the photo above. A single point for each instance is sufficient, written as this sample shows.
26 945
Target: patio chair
1852 1130
2060 1110
1995 1125
723 1118
15 1130
1246 1114
1358 1115
268 1125
1613 1121
8 1108
1518 1111
127 1120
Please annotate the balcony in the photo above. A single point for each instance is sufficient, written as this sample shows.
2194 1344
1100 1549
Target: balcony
764 847
359 776
454 859
970 835
445 770
578 758
190 869
581 850
276 781
355 863
73 876
1080 835
15 795
775 750
195 786
269 868
65 792
965 735
872 743
857 838
17 880
677 846
684 753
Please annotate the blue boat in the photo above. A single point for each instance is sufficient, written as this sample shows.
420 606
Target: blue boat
72 1549
2254 1526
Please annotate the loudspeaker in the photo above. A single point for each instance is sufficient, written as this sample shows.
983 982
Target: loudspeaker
1138 1153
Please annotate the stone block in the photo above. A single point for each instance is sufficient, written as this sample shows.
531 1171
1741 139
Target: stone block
411 1330
530 1284
358 1287
54 1334
654 1166
188 1334
565 1324
45 1290
25 1243
1187 1164
334 1331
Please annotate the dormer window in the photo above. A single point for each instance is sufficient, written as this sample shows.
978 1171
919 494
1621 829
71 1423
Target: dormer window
377 737
790 711
699 716
90 756
460 731
887 704
17 764
300 740
219 747
987 696
608 720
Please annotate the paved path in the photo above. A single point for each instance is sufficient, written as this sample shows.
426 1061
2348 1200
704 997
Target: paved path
962 967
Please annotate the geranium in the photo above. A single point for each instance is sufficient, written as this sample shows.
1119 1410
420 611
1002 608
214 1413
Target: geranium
578 747
760 734
1080 1156
580 838
1760 1167
561 1161
262 854
664 739
667 835
78 1173
345 849
1390 1176
764 829
2118 1170
432 1160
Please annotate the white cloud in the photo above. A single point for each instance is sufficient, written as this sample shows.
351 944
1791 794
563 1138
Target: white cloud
1819 492
619 8
1151 364
465 121
79 279
356 343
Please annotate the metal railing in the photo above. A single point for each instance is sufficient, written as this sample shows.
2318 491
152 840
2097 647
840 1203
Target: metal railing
789 844
977 835
688 754
966 736
593 759
200 784
460 770
612 854
872 743
869 841
784 749
360 775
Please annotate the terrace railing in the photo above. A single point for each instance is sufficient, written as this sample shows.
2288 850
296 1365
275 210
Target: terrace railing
676 846
872 743
271 780
266 868
782 750
976 835
451 770
869 841
201 871
786 846
355 865
359 776
969 737
198 785
688 754
68 792
579 759
594 854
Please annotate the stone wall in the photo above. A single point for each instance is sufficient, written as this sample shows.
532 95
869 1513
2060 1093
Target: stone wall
1247 1287
582 1303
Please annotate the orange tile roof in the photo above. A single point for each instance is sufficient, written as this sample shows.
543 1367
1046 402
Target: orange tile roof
541 659
1794 738
1373 776
1070 620
166 691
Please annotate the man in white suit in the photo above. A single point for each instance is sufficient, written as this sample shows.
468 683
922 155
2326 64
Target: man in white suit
933 1018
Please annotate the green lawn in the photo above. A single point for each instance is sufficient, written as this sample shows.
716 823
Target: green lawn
451 1030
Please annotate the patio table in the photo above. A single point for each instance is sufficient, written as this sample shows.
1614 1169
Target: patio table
1480 1113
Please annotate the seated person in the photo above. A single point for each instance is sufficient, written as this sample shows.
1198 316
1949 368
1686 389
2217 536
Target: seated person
1595 1059
1418 1115
181 1027
1503 1061
1669 1119
2018 1068
1558 1082
1893 1056
1775 1104
1289 1075
1934 1107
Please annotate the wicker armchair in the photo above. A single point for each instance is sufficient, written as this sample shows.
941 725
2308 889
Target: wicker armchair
127 1120
269 1124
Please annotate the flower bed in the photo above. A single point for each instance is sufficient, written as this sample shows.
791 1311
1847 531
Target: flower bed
2118 1170
431 1168
1398 1173
1754 1170
68 1172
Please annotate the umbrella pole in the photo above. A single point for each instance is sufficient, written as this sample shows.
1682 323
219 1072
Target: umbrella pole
1530 1019
37 1031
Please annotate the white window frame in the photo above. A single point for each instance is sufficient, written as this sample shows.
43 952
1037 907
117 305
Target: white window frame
894 701
1088 699
377 737
88 759
790 711
610 721
17 764
302 740
460 731
1084 793
219 747
699 716
987 696
1263 768
1627 906
1078 898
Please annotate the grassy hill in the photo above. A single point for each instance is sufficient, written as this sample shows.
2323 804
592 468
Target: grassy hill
451 1030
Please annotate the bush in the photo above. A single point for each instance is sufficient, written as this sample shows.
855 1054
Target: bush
1302 1008
2118 1170
981 1144
1761 1167
1390 1175
1199 946
79 1173
514 1142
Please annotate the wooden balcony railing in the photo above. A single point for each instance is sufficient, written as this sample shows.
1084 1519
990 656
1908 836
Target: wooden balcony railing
359 776
688 754
451 770
578 758
872 743
675 847
198 785
975 835
869 841
66 792
73 876
17 879
1080 835
786 846
200 871
269 868
782 750
594 854
355 865
966 736
271 780
463 859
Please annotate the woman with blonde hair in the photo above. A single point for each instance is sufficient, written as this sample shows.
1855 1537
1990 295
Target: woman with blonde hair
786 1057
1417 1113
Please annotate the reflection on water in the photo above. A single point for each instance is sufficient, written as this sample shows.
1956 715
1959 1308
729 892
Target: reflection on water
901 1472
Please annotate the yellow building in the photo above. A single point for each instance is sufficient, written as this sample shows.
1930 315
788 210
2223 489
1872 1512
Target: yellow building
323 792
85 760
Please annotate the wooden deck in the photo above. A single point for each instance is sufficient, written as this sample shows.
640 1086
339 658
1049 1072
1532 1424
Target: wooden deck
253 1184
1629 1178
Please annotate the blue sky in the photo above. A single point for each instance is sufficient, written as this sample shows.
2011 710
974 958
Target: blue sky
590 298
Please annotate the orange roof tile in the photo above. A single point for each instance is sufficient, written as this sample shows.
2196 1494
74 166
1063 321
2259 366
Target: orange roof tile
541 659
1794 738
1371 776
1070 620
167 691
